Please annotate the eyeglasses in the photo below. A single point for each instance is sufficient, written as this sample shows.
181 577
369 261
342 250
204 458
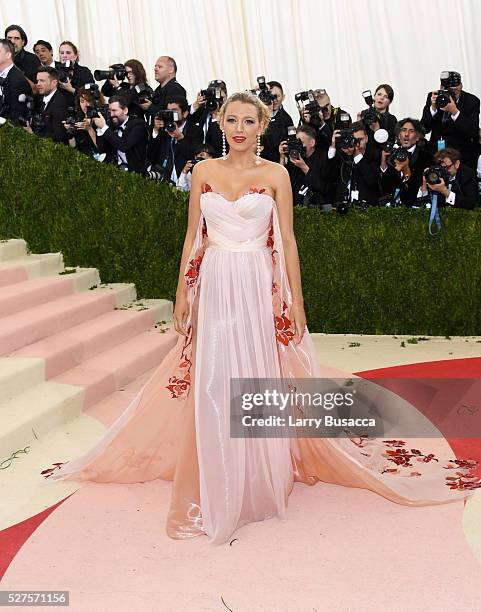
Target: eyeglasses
445 165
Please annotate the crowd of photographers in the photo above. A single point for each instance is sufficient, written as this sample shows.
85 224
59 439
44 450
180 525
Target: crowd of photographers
115 116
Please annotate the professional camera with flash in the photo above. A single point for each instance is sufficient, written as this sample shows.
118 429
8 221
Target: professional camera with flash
264 92
448 80
306 101
397 154
213 95
435 174
170 118
294 147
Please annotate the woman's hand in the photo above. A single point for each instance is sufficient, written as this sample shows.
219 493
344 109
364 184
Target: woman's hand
181 312
298 318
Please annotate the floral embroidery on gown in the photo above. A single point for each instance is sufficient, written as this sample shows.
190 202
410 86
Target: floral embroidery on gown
177 428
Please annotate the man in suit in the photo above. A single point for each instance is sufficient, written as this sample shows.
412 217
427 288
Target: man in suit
331 119
461 189
456 124
308 171
26 61
207 119
43 50
171 149
353 170
165 74
126 141
401 180
51 105
277 129
14 84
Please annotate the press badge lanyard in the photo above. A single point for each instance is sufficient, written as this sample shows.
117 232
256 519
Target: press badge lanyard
434 216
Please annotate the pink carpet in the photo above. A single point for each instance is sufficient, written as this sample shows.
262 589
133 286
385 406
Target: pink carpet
340 549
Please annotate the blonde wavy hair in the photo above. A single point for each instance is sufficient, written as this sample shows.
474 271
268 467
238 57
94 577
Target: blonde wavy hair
248 98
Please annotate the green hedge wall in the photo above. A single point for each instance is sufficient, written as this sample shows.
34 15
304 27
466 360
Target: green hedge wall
375 271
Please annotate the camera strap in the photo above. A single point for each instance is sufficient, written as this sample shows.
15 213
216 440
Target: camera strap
434 216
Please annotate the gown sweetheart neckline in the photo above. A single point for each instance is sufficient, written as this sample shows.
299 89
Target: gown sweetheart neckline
206 188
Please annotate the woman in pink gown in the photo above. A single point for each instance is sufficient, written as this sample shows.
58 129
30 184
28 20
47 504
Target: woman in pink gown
239 314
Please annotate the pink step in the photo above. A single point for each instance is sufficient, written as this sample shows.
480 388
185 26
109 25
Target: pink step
69 348
30 293
31 325
113 369
12 274
111 407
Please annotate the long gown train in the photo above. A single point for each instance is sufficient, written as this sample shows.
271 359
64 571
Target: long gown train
178 426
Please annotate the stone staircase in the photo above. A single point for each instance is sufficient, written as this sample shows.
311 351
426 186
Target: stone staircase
69 347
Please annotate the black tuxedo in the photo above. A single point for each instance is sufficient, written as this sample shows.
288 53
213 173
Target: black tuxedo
132 142
276 132
391 179
165 150
324 133
462 134
213 134
348 176
15 85
316 180
465 186
28 63
53 114
162 94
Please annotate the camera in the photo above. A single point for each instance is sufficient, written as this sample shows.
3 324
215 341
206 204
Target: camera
213 97
116 71
306 101
73 116
398 155
265 94
444 97
435 174
144 95
65 70
294 147
30 116
97 109
369 116
345 139
170 118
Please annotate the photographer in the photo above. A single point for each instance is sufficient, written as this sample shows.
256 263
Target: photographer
27 62
72 75
126 141
174 139
51 107
133 89
165 74
307 167
327 119
204 113
13 84
82 134
353 170
377 115
280 120
456 185
43 50
203 152
453 119
402 168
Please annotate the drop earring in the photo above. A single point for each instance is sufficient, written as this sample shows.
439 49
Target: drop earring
224 145
258 150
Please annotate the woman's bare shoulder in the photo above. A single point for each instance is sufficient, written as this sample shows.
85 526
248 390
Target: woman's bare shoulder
274 174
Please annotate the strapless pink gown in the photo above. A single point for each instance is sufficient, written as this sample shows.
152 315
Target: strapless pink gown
177 428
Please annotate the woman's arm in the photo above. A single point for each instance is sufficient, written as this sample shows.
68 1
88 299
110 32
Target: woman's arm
181 309
286 224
